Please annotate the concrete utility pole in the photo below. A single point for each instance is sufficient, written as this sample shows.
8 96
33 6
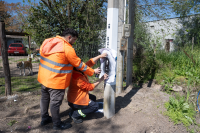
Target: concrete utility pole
111 42
129 69
119 77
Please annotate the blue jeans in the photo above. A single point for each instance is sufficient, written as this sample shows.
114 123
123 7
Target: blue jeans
82 111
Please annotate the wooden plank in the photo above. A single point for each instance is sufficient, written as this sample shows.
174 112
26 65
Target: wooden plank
16 33
4 53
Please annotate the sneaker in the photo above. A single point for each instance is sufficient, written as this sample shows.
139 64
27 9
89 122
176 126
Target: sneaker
46 121
76 120
62 126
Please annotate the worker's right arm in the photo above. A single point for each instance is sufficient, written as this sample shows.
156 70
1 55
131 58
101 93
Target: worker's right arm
104 77
75 61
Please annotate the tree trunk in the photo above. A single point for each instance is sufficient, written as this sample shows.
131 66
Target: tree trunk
4 53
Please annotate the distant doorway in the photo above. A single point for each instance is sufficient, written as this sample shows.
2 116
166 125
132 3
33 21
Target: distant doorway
168 44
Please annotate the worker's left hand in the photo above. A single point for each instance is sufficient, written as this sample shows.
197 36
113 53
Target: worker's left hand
97 71
105 76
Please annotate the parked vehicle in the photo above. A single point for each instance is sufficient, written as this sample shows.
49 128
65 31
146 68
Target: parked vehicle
16 49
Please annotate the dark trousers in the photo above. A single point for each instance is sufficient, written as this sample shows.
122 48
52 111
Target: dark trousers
54 97
82 111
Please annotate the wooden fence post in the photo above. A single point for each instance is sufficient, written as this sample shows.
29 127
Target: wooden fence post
192 43
4 54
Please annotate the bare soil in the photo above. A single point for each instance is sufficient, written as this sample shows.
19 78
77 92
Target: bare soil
138 110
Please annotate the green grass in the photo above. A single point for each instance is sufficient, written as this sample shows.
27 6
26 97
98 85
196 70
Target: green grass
179 110
92 78
21 84
10 59
180 63
12 122
25 59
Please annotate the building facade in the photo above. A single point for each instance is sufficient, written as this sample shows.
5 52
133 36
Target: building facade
163 32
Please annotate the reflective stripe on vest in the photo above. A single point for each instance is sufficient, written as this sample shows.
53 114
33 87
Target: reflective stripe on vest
85 68
56 64
80 66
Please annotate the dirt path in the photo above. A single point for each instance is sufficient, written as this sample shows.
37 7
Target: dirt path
137 111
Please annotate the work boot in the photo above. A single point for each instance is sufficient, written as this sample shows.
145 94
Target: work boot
76 120
62 126
46 121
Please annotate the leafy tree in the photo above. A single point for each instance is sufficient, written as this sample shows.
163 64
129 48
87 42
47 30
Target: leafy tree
4 14
11 13
154 9
51 17
189 17
144 64
190 28
185 7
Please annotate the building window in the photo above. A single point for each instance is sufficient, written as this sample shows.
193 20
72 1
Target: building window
17 41
152 27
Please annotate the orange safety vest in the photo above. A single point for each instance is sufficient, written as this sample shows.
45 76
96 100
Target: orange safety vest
57 59
78 92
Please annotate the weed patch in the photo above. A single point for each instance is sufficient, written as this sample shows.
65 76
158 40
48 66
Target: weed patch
179 110
12 122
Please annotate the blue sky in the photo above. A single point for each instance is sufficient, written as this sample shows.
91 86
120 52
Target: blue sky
15 1
149 19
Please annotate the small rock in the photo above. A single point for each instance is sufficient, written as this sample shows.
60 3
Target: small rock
177 88
11 97
3 98
27 93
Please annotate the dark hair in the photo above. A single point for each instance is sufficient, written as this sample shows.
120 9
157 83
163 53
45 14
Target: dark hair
69 31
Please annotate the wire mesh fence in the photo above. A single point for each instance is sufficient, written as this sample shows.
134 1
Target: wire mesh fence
20 81
27 81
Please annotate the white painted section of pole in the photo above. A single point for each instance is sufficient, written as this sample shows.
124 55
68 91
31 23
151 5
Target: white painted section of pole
109 101
111 42
129 66
112 28
125 12
119 77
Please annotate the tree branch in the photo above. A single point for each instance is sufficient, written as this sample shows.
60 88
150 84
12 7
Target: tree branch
52 10
153 5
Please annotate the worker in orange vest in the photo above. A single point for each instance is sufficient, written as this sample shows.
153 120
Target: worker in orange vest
58 58
81 102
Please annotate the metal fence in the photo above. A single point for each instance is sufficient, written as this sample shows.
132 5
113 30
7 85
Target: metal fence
19 81
28 82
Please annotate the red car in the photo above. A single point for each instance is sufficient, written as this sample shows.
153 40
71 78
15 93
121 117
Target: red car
17 49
